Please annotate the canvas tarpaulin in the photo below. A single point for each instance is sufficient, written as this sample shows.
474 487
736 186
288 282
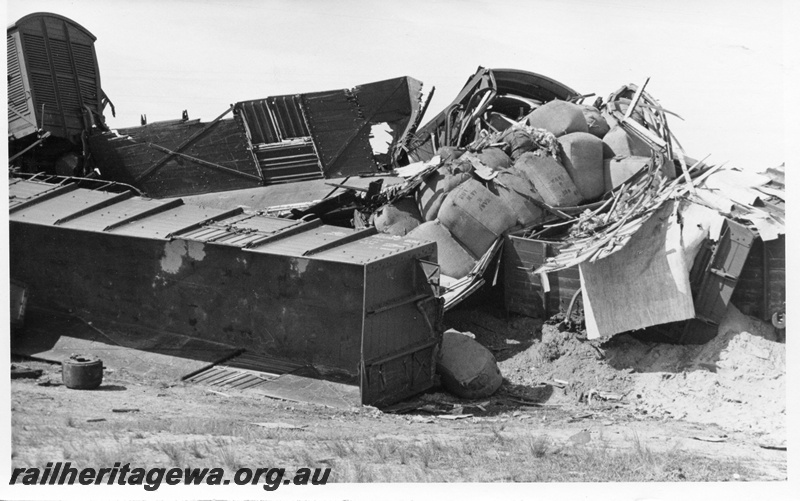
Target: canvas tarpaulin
647 281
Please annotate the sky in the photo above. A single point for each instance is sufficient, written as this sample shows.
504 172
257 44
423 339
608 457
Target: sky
723 66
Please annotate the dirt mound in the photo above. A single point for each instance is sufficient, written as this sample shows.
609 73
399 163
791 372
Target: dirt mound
737 380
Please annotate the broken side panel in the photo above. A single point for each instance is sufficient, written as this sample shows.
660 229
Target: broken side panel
341 123
279 139
331 133
182 157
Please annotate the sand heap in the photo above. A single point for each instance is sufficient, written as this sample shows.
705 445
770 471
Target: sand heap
737 380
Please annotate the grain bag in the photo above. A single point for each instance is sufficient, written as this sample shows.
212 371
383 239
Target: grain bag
475 216
518 193
398 218
518 141
598 126
453 259
618 143
550 179
583 160
558 117
494 158
467 368
430 194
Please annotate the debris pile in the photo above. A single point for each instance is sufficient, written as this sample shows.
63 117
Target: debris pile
549 165
608 190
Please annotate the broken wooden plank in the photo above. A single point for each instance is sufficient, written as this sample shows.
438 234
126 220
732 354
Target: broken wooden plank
635 99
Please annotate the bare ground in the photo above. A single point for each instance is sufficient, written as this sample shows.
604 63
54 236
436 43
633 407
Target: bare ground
569 410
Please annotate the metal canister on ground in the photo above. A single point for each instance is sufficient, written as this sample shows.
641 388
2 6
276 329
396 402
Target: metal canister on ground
82 372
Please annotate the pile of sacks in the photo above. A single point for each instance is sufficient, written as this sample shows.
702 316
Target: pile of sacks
561 155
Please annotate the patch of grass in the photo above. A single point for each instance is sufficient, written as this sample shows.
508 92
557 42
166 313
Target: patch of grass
342 447
405 455
492 461
229 457
194 449
499 437
307 458
104 456
385 449
597 462
470 448
221 442
174 452
642 451
539 445
427 454
434 450
355 472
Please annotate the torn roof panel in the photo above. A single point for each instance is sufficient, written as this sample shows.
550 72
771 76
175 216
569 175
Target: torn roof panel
530 85
442 130
746 196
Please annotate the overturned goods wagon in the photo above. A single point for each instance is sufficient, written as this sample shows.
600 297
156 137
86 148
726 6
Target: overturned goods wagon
54 92
355 306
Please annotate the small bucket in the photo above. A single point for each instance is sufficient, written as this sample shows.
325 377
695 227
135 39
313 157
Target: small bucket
82 372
